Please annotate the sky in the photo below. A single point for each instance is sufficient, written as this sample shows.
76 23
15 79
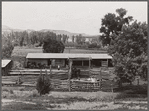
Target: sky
76 17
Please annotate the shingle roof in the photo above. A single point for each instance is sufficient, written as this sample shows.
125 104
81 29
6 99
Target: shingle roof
5 62
66 55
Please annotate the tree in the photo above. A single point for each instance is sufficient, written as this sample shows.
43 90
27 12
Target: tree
21 40
113 24
83 39
53 46
7 46
64 38
73 38
129 51
79 39
43 85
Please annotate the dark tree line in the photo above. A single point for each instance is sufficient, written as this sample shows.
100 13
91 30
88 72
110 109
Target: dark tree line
34 37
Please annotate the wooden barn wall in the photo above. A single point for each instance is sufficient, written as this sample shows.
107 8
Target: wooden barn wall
6 69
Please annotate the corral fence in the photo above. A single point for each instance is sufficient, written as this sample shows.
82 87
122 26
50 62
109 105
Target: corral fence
74 85
60 81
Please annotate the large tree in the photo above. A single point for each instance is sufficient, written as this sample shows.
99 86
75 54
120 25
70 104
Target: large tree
112 24
129 51
53 46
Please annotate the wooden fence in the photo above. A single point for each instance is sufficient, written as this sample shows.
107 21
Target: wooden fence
59 85
84 86
60 82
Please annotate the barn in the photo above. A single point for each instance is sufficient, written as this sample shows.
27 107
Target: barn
6 66
61 59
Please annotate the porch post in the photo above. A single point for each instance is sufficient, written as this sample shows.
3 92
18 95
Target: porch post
51 67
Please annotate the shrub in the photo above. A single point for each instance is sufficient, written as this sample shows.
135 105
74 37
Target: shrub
35 94
43 85
11 92
94 45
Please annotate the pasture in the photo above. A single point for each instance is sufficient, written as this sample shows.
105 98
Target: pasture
27 98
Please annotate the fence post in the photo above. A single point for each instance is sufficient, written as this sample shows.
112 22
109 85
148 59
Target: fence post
112 84
112 87
46 71
100 79
40 71
101 84
50 70
89 66
69 74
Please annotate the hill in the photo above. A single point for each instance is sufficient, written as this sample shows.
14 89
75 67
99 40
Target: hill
6 29
70 34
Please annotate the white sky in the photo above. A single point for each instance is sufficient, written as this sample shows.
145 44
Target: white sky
77 17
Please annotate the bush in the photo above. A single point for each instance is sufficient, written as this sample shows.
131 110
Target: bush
94 45
11 92
43 85
78 46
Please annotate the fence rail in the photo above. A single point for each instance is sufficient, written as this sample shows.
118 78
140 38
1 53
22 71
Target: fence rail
59 80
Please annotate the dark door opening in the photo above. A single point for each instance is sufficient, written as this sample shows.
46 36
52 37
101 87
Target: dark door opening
49 62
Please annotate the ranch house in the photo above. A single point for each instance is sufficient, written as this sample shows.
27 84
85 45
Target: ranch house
62 59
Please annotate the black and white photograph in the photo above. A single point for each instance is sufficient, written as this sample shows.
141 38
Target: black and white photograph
74 55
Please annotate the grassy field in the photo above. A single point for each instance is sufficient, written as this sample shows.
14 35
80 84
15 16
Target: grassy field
27 98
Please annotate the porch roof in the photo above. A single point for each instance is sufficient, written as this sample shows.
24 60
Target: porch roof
66 56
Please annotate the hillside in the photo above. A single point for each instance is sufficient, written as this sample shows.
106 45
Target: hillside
70 34
6 29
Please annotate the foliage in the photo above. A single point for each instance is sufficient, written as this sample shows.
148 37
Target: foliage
53 46
94 45
129 51
73 37
80 39
31 38
65 38
113 24
7 46
43 85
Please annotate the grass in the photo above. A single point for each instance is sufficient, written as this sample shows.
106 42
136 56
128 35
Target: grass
65 100
134 92
23 106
